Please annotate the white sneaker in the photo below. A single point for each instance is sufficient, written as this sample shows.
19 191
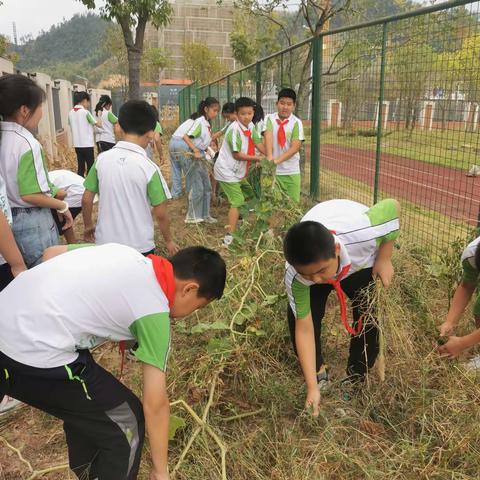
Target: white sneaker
227 240
474 171
473 364
194 221
210 220
8 404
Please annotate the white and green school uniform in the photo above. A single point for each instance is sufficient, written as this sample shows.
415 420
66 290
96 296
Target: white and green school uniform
470 272
149 149
201 133
81 122
230 172
71 183
288 172
358 230
107 133
183 128
5 209
129 184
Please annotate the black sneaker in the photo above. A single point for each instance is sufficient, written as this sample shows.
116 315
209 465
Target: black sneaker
323 380
350 386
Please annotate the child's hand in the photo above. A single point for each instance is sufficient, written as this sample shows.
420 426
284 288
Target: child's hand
446 328
453 348
384 269
197 154
61 194
67 216
18 269
276 161
89 235
312 401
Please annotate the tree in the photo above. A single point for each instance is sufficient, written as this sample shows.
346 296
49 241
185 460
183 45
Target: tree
5 50
153 62
201 63
132 16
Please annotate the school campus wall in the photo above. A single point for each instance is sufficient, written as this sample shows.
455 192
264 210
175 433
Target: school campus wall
6 66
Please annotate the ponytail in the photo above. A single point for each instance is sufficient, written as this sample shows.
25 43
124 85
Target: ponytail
206 103
102 103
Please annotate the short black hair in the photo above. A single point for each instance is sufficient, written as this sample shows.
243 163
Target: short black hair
259 114
287 93
244 102
137 117
80 97
228 107
477 257
308 242
203 265
17 90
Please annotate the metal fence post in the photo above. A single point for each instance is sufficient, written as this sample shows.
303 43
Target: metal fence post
316 124
281 71
229 89
378 152
258 83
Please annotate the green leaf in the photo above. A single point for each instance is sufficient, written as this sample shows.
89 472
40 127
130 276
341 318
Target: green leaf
205 327
219 345
174 424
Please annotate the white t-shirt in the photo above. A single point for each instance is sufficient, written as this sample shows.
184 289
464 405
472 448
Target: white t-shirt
183 128
129 184
227 169
22 164
4 208
107 133
293 131
77 299
81 122
71 183
201 133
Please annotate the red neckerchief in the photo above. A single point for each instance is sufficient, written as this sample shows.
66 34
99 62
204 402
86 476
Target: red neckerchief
343 304
164 272
251 147
76 109
281 136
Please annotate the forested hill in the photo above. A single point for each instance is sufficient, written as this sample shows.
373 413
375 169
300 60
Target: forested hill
76 42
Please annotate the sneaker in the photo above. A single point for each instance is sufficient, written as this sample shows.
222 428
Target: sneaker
193 221
8 404
473 364
210 220
323 380
351 386
227 240
130 354
474 171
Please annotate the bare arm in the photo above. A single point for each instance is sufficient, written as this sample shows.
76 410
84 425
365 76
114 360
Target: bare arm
243 157
54 251
157 415
383 263
191 145
460 300
295 148
268 136
9 249
161 214
87 208
44 201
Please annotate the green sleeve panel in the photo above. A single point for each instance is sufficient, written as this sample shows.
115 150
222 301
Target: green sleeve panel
470 273
476 306
195 131
76 246
233 140
301 295
90 119
158 128
91 182
153 336
383 212
269 125
27 179
297 132
155 191
256 137
111 117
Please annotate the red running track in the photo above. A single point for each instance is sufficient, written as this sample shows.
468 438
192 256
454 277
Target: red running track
442 189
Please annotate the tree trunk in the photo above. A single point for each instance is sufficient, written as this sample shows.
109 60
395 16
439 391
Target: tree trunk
134 59
303 94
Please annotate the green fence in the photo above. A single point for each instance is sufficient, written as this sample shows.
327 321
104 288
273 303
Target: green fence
391 108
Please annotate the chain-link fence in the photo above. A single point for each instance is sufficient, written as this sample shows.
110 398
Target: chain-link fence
390 109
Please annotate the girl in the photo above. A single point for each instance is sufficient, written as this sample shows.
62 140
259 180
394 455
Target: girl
198 138
105 134
23 168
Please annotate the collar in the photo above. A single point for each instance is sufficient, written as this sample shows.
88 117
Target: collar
132 147
243 128
164 272
344 257
15 127
78 107
276 116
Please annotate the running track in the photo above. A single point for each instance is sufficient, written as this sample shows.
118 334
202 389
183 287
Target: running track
442 189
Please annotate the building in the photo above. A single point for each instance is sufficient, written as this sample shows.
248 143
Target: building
200 21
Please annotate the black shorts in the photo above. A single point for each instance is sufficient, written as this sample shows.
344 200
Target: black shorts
74 211
104 146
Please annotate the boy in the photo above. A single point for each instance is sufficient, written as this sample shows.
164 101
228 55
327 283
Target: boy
338 245
81 122
129 184
52 315
283 140
229 115
463 294
236 154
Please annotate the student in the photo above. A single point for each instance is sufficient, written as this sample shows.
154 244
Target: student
236 153
81 122
283 140
72 185
157 139
259 119
198 139
229 115
463 294
177 149
23 168
53 314
129 185
338 245
106 134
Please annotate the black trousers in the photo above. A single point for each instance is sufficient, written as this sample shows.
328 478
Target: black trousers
104 146
6 275
103 420
363 347
85 159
